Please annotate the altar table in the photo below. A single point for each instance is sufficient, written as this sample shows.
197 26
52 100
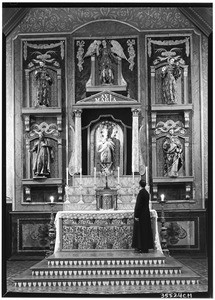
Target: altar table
103 229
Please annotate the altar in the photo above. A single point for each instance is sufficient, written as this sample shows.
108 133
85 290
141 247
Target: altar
102 229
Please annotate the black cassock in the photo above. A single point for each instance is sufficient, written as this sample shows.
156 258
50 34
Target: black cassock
142 232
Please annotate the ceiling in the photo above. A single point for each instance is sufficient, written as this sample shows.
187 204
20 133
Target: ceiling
200 16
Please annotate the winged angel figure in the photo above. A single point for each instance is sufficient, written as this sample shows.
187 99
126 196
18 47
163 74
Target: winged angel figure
107 53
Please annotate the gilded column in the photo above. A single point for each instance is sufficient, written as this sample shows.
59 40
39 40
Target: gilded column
135 140
78 141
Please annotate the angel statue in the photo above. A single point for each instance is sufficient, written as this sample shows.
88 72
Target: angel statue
107 52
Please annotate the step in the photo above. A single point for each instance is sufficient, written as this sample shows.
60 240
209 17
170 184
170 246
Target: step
103 257
41 269
187 277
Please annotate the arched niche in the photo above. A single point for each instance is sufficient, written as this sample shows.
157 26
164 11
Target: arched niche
53 86
106 139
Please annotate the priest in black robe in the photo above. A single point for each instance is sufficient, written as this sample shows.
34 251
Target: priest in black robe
142 232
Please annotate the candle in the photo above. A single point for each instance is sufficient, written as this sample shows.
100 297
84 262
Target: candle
133 176
147 177
162 197
67 176
80 175
95 175
52 199
118 174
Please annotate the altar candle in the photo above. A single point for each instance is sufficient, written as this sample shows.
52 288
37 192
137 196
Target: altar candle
67 176
162 197
80 175
95 175
147 177
118 174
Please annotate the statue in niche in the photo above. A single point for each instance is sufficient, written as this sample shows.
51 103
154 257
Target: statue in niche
108 53
173 154
44 81
107 146
44 157
169 75
106 60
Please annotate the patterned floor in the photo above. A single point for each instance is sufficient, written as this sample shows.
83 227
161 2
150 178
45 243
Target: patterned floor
198 265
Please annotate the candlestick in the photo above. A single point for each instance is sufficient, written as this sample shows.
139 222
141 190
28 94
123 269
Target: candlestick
118 175
94 175
147 177
52 199
67 176
162 197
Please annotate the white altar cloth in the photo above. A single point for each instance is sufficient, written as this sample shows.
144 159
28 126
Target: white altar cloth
102 214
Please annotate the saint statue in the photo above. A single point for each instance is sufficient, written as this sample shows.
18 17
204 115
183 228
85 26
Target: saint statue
44 156
169 75
173 154
106 147
44 81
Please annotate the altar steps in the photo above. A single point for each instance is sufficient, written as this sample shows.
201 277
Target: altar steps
83 269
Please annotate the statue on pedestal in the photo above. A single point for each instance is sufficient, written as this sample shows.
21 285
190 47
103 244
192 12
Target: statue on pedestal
169 74
173 151
44 156
44 81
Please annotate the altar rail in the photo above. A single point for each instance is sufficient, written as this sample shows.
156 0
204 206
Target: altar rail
98 230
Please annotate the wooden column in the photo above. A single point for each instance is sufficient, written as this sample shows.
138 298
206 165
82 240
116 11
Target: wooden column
187 160
135 140
78 141
152 85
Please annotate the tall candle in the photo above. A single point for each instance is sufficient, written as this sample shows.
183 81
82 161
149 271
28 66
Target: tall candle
147 176
95 175
162 197
118 175
67 176
133 176
80 175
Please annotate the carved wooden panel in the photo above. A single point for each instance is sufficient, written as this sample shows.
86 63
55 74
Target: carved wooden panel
119 53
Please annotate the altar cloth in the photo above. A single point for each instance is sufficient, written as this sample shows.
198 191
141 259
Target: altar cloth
102 229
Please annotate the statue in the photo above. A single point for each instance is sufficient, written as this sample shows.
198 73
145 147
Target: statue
173 150
44 81
44 156
106 147
169 75
108 53
106 61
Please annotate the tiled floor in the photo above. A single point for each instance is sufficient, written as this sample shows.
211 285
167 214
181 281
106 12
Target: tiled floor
198 265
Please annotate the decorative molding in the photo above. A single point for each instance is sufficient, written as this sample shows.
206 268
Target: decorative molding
68 19
80 54
164 127
169 43
43 46
132 53
50 129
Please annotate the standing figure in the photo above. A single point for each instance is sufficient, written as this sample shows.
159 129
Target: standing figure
142 239
44 81
44 156
106 148
106 61
173 150
169 75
